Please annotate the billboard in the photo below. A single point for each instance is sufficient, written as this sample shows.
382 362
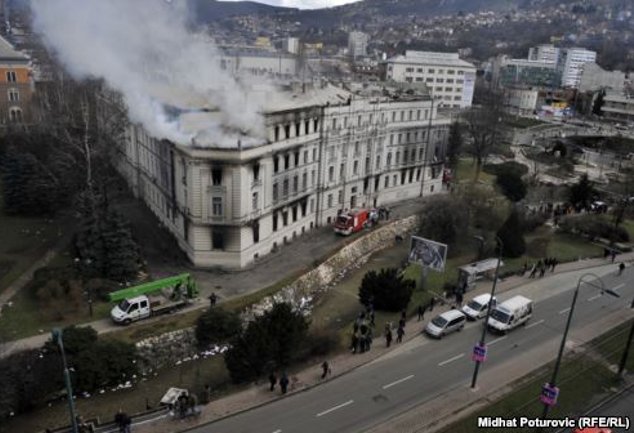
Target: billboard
430 254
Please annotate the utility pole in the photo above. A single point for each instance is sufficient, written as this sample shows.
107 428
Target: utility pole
628 345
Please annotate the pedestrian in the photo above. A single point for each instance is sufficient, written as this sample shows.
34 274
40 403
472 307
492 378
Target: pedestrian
399 334
272 381
354 344
533 271
621 268
284 383
368 339
553 264
421 312
432 302
401 323
388 335
542 270
123 421
372 324
459 299
213 299
182 405
325 367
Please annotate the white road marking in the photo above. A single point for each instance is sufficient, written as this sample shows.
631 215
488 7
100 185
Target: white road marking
455 358
564 311
497 340
534 324
396 382
277 431
595 297
332 409
150 420
620 286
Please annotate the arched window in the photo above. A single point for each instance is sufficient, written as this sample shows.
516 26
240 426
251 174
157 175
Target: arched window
15 114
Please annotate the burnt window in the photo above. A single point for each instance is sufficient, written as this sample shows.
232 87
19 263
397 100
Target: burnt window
276 164
218 238
304 205
294 210
411 175
296 158
287 161
297 128
275 221
315 124
256 171
417 175
216 176
377 181
306 127
403 174
277 133
256 231
287 131
366 183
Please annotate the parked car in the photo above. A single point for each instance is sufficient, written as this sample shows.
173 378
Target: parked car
478 306
446 323
510 314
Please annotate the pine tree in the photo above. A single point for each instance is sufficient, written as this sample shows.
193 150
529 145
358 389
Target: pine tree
512 236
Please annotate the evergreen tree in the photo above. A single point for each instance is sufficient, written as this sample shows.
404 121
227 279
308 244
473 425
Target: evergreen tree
581 192
598 104
386 290
217 325
454 144
511 185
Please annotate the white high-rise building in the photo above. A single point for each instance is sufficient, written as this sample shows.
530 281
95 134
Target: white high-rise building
570 64
450 80
358 44
324 150
291 45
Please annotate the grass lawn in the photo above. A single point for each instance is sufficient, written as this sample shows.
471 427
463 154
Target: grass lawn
521 122
191 375
582 381
466 171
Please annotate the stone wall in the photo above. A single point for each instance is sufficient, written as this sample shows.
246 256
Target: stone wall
175 347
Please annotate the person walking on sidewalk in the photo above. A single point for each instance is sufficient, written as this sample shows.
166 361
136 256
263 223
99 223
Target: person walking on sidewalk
325 367
621 268
421 312
399 334
388 335
284 383
123 421
533 271
432 302
272 381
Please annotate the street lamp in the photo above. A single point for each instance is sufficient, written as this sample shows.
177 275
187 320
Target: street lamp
550 391
57 338
628 344
482 343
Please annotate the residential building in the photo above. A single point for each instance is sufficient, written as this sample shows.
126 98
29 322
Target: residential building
291 45
546 53
594 78
16 85
358 44
618 107
257 61
448 78
570 65
521 101
326 150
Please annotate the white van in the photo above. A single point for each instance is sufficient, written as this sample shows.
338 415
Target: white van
478 306
446 323
510 314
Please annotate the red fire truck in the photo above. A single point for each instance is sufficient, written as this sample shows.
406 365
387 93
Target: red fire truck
354 221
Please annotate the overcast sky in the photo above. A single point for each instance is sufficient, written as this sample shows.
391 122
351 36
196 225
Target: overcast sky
304 4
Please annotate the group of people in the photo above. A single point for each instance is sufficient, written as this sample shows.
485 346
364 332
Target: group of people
400 331
540 267
186 405
283 382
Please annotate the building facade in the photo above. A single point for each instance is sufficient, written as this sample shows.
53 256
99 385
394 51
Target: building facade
618 107
448 78
546 53
570 65
358 44
16 85
509 72
257 61
229 207
594 78
521 101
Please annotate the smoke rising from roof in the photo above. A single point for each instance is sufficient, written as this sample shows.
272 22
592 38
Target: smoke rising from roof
144 50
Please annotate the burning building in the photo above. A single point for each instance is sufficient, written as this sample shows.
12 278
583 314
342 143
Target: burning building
325 150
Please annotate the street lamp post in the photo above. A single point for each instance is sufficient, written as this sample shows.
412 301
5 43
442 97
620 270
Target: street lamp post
57 338
628 344
552 384
486 319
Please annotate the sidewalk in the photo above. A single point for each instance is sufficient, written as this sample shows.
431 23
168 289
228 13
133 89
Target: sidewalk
258 394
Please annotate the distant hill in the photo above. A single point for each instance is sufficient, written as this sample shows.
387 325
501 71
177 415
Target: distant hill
211 10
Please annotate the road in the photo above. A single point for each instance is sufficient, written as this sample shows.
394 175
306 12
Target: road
619 406
424 369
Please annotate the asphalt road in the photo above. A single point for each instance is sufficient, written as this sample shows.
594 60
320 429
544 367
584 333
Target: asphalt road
425 368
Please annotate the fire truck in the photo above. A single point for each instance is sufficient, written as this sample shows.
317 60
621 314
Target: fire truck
355 220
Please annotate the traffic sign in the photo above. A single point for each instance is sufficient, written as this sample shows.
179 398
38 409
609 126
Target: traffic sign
479 353
549 394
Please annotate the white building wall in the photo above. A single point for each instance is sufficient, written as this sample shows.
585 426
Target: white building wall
571 64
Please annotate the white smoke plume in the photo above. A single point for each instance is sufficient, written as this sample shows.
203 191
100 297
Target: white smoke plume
144 50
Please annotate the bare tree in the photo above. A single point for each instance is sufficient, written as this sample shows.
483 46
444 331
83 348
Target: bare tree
483 127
